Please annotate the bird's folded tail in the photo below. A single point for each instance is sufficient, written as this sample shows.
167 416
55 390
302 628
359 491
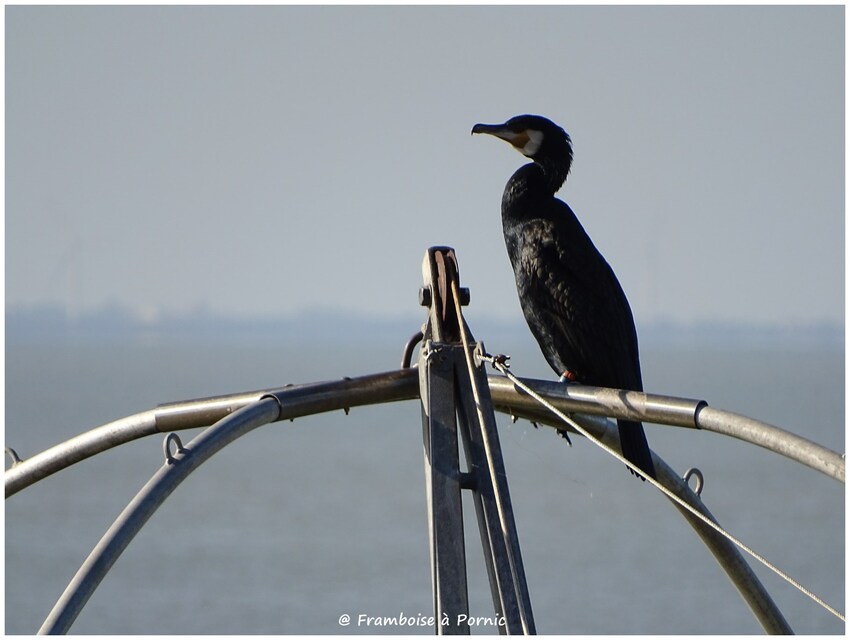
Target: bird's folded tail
635 448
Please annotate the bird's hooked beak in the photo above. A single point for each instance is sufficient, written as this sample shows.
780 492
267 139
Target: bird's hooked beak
501 131
527 142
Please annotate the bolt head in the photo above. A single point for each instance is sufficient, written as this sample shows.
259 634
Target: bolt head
425 296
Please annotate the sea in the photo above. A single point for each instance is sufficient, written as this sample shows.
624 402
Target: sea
319 526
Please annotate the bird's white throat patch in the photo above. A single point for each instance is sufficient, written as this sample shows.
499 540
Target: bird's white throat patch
535 139
527 142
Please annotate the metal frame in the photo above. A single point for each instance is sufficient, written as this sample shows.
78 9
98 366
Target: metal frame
455 392
452 380
395 386
664 410
177 467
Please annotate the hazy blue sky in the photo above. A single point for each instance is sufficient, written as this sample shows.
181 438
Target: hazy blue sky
267 160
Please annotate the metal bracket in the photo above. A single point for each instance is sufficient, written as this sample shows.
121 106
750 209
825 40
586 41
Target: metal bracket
455 394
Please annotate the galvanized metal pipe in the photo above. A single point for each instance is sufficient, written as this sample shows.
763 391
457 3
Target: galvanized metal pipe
282 404
727 554
146 502
665 410
401 385
371 389
599 401
774 439
724 551
85 445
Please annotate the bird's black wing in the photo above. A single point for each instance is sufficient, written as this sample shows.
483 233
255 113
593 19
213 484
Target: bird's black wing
573 301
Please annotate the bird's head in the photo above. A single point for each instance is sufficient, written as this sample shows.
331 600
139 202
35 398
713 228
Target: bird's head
533 136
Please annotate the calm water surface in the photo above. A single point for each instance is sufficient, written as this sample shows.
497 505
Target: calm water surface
301 522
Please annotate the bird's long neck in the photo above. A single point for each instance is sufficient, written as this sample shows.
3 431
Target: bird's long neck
555 169
531 187
556 158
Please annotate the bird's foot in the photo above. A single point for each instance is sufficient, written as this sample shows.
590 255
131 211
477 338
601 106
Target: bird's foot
568 377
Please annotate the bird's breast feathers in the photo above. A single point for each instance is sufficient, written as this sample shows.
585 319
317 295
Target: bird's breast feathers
533 241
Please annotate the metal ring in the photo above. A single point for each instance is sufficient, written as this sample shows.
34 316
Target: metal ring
696 473
173 438
407 354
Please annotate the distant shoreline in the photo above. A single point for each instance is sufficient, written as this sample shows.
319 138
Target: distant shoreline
110 325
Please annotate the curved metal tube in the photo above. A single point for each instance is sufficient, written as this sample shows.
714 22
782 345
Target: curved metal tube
145 503
682 412
283 404
301 400
85 445
724 551
774 439
402 385
399 385
296 402
372 389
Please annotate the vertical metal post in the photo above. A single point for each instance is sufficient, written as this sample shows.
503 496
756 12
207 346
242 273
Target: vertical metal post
442 480
454 392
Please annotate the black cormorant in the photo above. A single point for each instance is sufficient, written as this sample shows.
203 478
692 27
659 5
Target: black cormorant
571 298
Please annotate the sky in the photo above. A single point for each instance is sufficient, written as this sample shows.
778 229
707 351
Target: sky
264 161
